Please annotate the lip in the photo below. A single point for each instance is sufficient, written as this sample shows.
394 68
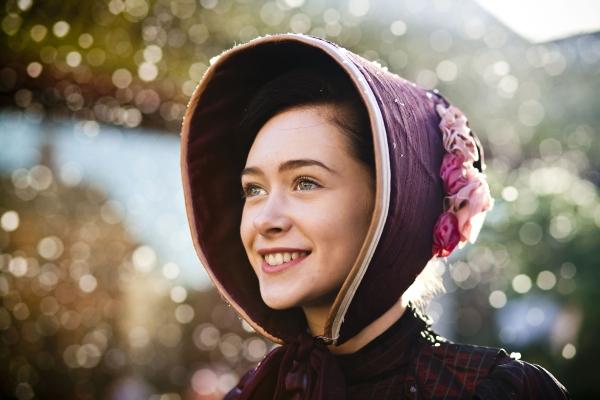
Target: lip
271 269
270 250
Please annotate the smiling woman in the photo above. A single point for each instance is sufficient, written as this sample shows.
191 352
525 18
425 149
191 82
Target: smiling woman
352 180
315 199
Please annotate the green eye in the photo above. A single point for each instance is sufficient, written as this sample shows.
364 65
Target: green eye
306 184
252 190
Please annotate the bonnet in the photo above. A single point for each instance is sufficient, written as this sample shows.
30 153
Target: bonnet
428 165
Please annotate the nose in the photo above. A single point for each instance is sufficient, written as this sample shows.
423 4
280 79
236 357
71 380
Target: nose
272 219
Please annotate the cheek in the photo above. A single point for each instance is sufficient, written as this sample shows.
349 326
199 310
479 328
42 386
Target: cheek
347 227
333 230
246 229
247 233
362 209
352 212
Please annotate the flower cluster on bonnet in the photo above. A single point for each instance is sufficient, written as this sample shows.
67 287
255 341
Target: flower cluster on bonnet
467 192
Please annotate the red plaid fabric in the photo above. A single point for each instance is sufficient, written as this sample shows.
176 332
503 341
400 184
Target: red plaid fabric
410 361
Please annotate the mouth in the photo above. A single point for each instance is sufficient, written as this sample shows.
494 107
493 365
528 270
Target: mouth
279 261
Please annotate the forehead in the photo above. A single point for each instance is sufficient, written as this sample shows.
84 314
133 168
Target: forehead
299 133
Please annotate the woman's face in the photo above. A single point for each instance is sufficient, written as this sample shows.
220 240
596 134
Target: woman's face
307 210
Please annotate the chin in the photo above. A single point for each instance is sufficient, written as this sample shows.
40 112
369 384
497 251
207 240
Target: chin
284 301
278 303
281 297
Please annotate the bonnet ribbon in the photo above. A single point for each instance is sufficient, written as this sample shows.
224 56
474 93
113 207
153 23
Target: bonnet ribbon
303 369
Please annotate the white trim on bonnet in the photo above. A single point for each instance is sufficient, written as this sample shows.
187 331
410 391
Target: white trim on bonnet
380 145
380 140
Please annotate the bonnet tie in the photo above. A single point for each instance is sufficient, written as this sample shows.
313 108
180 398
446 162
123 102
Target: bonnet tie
303 369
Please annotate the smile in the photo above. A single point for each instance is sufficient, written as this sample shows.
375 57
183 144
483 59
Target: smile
275 262
280 258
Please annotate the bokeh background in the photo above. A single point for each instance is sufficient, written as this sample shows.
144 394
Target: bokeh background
101 295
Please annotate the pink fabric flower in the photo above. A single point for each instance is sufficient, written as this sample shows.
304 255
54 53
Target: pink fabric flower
445 235
467 192
456 133
469 205
453 172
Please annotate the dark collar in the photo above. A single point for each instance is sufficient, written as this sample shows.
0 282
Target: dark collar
388 353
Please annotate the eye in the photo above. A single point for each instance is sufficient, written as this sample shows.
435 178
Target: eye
305 183
251 190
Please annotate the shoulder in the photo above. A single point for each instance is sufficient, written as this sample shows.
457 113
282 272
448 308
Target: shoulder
448 370
515 379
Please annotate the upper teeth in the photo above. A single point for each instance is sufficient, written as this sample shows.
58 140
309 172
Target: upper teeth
280 258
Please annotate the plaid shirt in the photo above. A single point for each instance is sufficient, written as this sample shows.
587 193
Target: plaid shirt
410 361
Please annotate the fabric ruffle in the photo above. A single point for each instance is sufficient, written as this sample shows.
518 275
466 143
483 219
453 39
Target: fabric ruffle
468 195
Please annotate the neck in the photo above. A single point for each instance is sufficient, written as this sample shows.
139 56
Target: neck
316 317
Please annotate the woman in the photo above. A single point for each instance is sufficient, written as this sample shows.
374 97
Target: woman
352 180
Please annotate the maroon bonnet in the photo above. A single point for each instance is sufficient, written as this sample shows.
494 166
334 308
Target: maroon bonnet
409 191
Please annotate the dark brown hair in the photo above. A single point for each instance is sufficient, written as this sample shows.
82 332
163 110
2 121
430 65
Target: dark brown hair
309 86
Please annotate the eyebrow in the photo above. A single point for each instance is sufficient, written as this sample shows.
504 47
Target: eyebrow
289 165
